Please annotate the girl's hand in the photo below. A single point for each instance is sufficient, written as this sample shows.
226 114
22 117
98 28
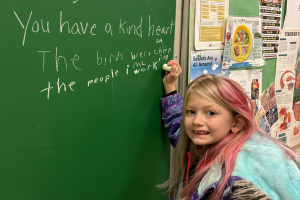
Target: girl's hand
171 77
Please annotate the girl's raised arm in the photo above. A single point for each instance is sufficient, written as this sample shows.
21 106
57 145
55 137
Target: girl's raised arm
172 103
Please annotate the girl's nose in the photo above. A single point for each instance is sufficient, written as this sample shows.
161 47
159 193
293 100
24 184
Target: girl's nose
198 120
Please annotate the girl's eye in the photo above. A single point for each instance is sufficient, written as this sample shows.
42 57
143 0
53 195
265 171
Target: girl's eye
211 113
190 112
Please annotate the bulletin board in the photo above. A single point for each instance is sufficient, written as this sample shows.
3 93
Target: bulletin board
240 8
282 119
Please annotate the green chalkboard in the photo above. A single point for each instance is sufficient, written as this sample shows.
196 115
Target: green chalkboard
80 89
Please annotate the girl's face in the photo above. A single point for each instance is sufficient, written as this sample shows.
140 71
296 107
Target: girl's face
205 121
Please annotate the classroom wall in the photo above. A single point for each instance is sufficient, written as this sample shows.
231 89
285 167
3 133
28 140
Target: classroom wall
243 8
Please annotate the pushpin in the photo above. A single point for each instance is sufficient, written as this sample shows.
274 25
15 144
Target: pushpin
168 68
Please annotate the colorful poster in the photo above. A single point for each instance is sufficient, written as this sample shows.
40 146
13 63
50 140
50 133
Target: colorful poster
268 102
287 86
261 120
243 45
270 13
210 24
250 80
206 62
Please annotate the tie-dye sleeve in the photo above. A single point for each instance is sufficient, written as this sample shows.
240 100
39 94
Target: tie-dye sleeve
171 115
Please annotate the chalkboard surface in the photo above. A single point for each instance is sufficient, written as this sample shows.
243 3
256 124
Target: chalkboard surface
80 85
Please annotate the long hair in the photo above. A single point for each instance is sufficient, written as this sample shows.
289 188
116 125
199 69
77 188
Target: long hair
230 95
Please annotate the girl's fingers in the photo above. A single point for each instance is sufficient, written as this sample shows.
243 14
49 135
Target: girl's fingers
171 62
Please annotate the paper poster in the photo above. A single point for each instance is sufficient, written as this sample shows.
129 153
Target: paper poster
287 87
270 12
243 45
268 102
292 16
210 24
206 62
250 80
261 120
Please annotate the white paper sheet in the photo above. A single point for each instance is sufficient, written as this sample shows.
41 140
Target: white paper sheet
210 24
292 17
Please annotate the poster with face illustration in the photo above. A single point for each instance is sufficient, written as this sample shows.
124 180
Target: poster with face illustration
243 43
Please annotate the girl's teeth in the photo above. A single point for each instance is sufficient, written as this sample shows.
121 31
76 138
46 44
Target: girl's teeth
200 132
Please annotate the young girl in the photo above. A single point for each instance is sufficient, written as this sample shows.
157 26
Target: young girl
220 153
